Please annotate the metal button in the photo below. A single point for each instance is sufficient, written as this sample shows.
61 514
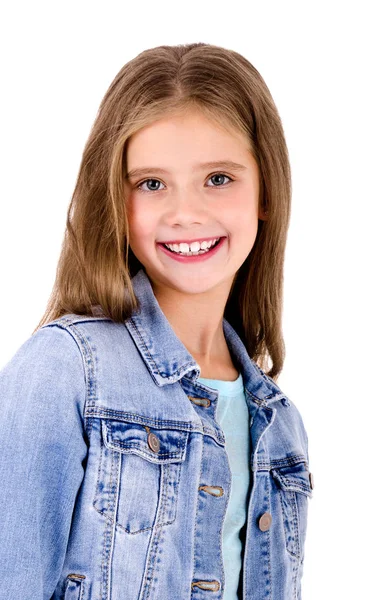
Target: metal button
153 442
205 402
311 480
265 521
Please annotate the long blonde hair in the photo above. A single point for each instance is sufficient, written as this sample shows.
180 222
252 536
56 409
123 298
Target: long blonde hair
96 263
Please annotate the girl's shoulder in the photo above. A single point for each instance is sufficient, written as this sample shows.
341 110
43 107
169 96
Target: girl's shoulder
43 387
47 348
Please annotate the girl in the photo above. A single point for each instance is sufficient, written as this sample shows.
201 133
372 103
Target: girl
147 451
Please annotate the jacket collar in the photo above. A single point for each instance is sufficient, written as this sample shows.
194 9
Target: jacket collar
167 358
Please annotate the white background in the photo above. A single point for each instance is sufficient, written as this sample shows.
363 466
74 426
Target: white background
324 65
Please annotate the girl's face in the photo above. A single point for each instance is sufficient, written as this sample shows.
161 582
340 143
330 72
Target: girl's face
181 196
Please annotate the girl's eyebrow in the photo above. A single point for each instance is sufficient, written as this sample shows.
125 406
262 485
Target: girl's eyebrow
224 164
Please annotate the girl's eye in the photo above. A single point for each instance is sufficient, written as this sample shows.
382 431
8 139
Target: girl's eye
220 176
151 182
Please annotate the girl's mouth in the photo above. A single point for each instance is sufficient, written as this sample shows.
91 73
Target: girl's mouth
194 257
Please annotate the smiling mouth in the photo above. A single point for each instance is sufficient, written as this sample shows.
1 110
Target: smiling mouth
204 251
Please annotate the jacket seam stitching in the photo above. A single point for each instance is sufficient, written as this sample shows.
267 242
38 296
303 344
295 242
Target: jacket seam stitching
89 372
195 524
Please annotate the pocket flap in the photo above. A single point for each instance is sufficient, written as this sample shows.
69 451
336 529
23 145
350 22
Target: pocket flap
295 478
166 445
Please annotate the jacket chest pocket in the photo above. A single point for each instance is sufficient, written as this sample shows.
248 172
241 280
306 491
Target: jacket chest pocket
139 473
294 491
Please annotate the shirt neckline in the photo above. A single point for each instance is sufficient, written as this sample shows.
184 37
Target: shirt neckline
226 388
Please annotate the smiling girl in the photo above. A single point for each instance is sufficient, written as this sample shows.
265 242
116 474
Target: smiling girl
146 446
192 224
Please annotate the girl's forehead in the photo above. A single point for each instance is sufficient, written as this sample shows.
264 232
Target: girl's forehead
189 129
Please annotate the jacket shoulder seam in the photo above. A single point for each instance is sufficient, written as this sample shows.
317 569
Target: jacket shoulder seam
88 363
72 319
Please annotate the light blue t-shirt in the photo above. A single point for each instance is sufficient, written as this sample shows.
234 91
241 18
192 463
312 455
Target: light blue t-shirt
233 416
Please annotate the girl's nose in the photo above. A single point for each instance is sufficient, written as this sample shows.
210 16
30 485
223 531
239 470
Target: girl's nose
186 206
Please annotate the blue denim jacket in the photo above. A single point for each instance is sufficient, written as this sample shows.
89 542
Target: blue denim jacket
114 472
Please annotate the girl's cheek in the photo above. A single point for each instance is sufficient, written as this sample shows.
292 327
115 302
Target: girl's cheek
141 225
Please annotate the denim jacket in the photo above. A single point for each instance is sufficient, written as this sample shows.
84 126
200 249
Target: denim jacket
114 472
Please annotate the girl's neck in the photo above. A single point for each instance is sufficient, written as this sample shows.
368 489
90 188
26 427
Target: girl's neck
198 323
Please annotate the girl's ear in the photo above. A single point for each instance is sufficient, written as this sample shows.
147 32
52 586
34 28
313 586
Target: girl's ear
262 214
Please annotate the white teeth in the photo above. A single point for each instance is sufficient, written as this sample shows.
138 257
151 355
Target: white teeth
193 248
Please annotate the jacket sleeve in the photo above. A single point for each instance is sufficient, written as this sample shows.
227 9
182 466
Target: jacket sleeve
43 449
